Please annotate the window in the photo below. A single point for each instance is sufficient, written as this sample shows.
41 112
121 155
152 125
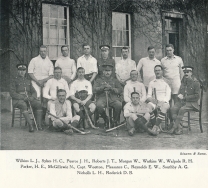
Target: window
55 28
172 33
121 34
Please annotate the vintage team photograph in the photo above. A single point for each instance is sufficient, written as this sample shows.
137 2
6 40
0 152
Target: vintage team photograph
104 74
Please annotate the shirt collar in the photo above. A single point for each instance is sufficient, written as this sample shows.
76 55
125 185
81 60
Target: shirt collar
151 59
88 57
169 58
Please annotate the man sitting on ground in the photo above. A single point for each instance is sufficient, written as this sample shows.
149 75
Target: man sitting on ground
61 108
81 94
137 115
160 99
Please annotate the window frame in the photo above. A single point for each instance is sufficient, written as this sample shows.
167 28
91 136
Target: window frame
57 45
129 26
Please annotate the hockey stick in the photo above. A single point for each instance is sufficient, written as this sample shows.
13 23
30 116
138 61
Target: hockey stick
122 124
68 124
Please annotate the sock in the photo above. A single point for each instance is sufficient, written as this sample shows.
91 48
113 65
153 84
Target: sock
160 117
152 118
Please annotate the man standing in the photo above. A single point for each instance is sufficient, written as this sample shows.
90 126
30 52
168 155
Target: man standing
112 86
158 96
20 100
147 65
124 67
67 65
88 62
54 84
40 70
137 115
172 66
105 60
81 94
134 85
188 97
61 108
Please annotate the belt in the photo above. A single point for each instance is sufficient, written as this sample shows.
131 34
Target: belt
22 93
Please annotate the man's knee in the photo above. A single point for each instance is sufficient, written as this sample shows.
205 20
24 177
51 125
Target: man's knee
76 107
164 108
100 105
75 118
92 107
57 123
117 105
22 106
147 116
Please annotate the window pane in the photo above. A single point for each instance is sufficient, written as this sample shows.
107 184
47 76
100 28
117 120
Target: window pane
45 41
45 10
61 12
53 52
124 22
119 38
62 32
114 38
62 22
54 11
53 21
117 24
45 21
53 35
126 38
127 22
118 52
45 31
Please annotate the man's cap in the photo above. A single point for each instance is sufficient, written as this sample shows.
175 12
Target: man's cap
21 66
104 47
187 68
107 67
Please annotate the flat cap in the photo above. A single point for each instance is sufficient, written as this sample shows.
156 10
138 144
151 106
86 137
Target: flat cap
105 47
187 68
21 66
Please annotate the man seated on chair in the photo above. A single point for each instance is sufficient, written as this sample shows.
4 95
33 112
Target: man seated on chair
61 108
19 100
188 96
158 100
81 94
137 115
134 85
112 87
52 85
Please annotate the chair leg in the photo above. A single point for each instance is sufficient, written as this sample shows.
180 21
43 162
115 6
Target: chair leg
200 122
13 113
189 126
20 118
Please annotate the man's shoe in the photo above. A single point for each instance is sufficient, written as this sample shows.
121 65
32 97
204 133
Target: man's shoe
153 132
68 131
179 132
131 132
31 128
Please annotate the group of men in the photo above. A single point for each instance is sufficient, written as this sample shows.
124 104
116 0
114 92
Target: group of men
90 85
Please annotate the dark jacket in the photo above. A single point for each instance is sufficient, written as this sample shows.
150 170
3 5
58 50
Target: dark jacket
190 89
17 89
99 84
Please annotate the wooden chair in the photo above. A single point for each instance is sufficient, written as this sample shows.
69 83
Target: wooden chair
199 118
17 114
